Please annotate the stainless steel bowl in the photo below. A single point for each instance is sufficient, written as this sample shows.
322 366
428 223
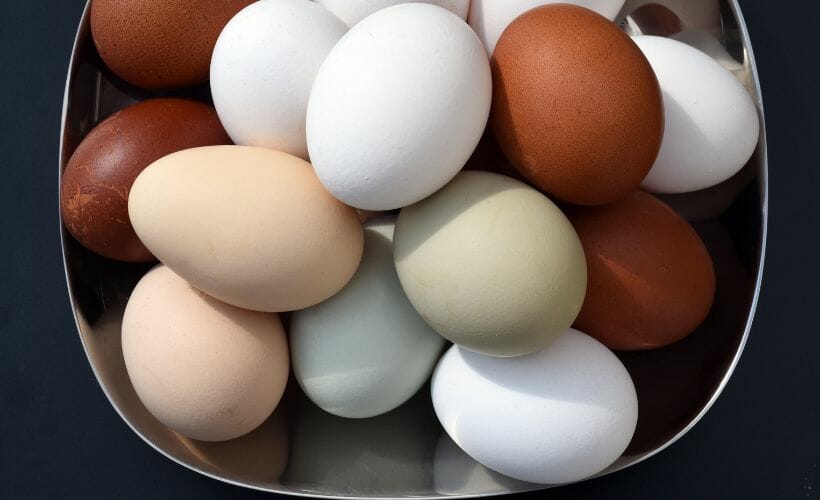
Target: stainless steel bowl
303 451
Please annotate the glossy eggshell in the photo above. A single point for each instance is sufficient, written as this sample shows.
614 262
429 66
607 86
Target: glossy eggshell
560 415
207 370
160 44
576 106
651 279
353 11
250 226
98 177
489 18
263 68
712 125
491 264
398 106
364 351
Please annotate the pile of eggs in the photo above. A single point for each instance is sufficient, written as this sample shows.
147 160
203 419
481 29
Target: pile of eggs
348 174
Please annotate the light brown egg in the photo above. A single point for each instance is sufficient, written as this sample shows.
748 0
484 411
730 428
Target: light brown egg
206 369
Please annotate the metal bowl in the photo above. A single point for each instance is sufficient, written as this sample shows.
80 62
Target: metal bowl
301 450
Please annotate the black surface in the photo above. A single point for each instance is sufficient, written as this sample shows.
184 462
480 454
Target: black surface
59 436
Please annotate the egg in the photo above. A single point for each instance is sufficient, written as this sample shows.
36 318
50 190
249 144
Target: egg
581 121
491 264
207 370
651 279
263 68
489 18
557 416
252 227
99 174
398 106
160 44
353 11
712 125
364 351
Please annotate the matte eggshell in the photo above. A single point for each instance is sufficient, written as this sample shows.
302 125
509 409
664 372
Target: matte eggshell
712 125
353 11
557 416
207 370
582 121
160 44
491 264
250 226
489 18
398 106
263 68
364 351
651 279
99 175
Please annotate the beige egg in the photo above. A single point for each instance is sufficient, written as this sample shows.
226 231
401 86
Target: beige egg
206 369
491 264
252 227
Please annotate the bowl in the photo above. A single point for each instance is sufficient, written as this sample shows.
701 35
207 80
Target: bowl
302 450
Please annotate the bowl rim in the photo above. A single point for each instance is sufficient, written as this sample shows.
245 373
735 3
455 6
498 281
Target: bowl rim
625 462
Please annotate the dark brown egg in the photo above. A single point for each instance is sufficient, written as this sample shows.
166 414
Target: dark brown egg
160 44
651 281
99 175
577 108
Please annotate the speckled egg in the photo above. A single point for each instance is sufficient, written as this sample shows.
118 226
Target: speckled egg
576 106
160 44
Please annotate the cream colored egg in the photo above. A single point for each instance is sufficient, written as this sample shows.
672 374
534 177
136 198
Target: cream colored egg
491 264
206 369
250 226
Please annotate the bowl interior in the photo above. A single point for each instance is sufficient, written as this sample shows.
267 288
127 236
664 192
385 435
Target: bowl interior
303 450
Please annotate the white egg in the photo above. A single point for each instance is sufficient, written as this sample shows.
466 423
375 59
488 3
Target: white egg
353 11
711 122
263 68
489 18
557 416
398 106
365 351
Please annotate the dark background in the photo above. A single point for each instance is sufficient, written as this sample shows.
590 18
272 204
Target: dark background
59 436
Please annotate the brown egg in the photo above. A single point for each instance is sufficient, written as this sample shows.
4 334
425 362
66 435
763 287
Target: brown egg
160 44
651 280
577 108
99 175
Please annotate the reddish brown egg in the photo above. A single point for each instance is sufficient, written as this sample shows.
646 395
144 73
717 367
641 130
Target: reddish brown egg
577 108
99 175
651 280
160 44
